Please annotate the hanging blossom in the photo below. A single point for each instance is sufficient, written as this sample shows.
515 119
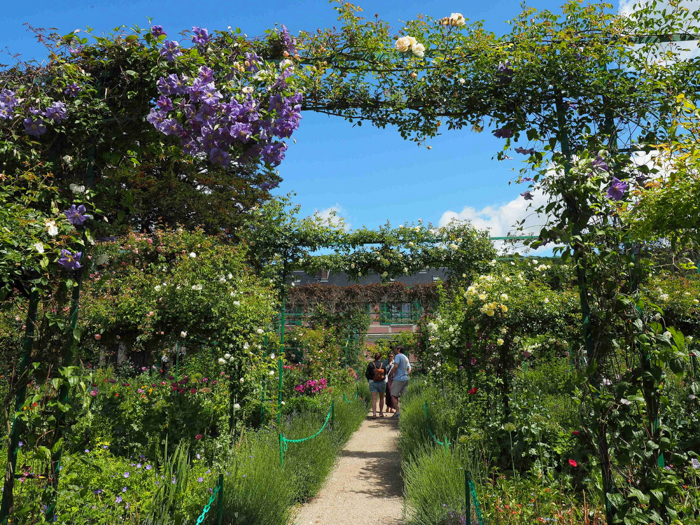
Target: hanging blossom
213 125
77 216
70 261
617 190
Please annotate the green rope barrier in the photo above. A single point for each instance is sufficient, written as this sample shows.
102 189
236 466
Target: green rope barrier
427 420
477 508
284 440
357 394
208 505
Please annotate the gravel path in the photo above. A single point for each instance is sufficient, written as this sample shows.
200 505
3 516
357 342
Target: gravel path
366 485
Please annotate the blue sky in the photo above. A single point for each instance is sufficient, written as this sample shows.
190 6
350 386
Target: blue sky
369 175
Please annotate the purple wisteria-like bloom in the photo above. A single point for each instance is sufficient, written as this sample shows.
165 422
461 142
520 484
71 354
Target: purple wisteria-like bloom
8 102
503 133
70 261
617 190
201 36
600 164
76 215
171 49
72 89
157 31
34 126
523 151
288 41
56 112
528 196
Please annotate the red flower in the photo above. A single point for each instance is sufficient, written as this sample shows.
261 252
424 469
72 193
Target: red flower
473 391
575 432
198 436
573 463
193 390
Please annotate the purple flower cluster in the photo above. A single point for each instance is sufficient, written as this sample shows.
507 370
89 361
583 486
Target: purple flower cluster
201 36
213 126
312 386
77 216
36 124
70 261
8 103
72 89
288 41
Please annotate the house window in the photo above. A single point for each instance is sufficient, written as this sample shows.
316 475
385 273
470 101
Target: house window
399 313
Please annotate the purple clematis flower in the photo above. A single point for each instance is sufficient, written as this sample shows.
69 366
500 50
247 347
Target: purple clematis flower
503 133
34 126
164 103
201 36
77 216
56 112
219 156
171 49
70 261
157 31
523 151
528 196
505 72
600 164
72 89
617 190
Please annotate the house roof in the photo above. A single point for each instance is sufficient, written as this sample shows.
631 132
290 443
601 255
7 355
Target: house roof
300 278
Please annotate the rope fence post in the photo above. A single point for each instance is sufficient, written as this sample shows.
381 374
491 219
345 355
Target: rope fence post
333 413
220 509
467 497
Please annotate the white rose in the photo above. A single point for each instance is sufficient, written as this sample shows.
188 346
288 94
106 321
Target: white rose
504 297
77 189
222 361
227 356
403 43
230 276
222 279
457 19
183 334
193 255
272 372
272 356
236 303
418 50
236 406
158 288
260 331
51 228
39 247
241 380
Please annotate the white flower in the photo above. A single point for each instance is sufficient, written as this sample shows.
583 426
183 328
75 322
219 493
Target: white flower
284 403
695 301
454 246
260 331
272 356
657 316
286 63
247 90
197 287
246 346
77 189
193 255
236 303
689 338
607 382
236 406
272 372
457 19
158 288
51 228
504 297
39 247
403 44
664 297
625 402
222 361
183 334
667 334
418 50
230 276
241 380
461 80
222 279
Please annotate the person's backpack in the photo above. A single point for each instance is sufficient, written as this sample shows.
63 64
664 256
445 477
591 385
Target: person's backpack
379 373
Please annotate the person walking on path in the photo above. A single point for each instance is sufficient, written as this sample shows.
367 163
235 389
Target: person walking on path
376 375
401 371
389 380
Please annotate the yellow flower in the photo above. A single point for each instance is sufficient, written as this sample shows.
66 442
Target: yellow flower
504 308
482 296
499 342
470 301
490 313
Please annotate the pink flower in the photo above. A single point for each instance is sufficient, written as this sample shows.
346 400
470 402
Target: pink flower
573 463
93 393
198 436
98 337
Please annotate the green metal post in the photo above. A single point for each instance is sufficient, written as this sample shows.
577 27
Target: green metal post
281 450
467 497
332 413
55 467
19 403
220 509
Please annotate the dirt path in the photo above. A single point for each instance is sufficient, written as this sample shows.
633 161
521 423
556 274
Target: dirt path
366 485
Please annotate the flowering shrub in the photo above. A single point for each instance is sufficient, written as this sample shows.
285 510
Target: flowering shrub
312 387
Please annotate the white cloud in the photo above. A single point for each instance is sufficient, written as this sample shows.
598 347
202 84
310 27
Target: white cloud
333 215
500 220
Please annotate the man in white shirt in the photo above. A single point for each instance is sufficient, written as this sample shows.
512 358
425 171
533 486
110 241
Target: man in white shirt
401 370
